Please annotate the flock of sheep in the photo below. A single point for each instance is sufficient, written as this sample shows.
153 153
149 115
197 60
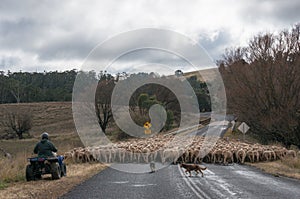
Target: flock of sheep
163 148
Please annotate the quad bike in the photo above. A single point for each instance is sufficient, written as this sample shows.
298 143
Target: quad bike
51 165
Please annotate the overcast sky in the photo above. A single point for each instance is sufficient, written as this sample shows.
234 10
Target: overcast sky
58 35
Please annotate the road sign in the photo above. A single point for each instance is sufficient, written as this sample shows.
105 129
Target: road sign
244 127
147 127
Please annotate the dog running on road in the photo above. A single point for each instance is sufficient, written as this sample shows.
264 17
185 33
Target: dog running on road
193 167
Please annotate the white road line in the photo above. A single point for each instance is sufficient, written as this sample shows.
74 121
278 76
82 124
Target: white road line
198 188
227 189
210 172
188 182
212 187
120 182
142 185
211 179
218 181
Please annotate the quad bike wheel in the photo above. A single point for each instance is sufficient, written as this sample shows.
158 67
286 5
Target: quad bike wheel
29 173
55 171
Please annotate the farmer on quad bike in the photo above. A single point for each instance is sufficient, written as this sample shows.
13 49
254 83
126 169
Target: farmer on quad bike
44 148
47 161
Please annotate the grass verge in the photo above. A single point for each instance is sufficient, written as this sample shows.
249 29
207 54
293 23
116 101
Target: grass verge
288 167
47 188
12 170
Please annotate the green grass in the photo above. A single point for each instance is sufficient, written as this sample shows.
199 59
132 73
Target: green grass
3 185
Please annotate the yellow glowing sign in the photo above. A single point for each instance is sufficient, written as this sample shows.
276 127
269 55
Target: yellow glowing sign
147 127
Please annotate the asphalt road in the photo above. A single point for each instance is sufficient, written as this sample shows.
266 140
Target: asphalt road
233 181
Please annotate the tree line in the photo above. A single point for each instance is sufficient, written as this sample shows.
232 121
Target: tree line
23 87
18 87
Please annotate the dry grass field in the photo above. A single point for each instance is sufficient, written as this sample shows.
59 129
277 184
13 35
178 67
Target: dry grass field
54 117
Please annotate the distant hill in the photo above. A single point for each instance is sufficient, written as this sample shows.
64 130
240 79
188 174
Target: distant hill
209 74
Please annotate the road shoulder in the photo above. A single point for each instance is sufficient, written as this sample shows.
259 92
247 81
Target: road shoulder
47 188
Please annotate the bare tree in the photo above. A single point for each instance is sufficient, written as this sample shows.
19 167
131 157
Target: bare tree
18 122
103 101
262 85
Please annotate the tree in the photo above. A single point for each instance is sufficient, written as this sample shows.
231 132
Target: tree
142 102
202 93
163 96
104 91
18 122
16 89
262 84
170 120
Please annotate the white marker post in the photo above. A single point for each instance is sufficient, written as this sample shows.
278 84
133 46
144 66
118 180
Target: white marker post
233 124
244 128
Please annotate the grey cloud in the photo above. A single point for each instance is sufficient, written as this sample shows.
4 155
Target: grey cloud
42 29
8 61
67 47
59 30
271 11
14 9
20 34
149 46
287 12
152 56
216 47
38 38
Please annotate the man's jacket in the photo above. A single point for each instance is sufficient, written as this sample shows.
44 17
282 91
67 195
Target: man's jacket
44 148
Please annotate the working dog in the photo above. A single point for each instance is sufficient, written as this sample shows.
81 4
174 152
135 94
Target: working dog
193 167
152 166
